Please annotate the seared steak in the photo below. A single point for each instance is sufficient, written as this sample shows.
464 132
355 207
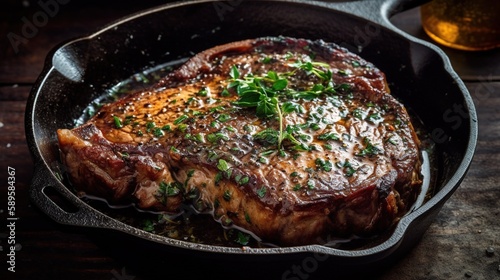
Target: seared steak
296 141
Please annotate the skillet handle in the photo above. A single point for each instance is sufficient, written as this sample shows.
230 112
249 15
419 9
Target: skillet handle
55 200
378 11
396 6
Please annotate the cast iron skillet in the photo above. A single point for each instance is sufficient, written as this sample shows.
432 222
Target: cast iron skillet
418 73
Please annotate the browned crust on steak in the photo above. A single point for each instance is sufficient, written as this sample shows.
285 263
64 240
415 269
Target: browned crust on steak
287 199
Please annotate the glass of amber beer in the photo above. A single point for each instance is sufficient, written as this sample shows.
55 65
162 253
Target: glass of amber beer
463 24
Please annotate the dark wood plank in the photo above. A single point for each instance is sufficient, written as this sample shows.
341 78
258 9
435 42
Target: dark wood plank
30 32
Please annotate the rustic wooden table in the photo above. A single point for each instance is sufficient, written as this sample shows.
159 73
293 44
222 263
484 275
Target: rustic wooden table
454 247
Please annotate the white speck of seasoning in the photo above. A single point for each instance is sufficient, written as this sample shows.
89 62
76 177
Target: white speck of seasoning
15 85
1 124
8 145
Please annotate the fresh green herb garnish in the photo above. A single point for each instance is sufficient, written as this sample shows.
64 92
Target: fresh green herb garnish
315 126
311 184
391 141
315 68
261 192
222 166
199 137
247 218
224 117
157 132
324 165
244 180
289 107
343 72
149 126
348 168
358 113
214 137
148 225
169 189
227 195
190 174
268 137
243 238
217 178
118 122
212 156
128 120
182 127
369 149
270 94
203 92
216 109
267 153
125 156
373 117
328 136
180 119
266 60
225 93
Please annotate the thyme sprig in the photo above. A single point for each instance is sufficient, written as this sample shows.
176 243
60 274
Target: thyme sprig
271 95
